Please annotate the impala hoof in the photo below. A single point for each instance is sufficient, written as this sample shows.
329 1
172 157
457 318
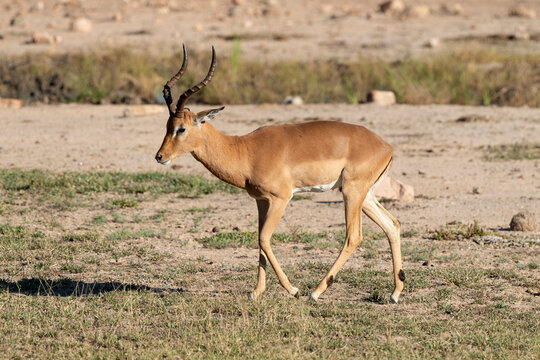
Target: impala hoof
313 297
295 292
251 296
394 298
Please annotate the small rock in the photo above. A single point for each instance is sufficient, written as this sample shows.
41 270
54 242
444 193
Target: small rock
215 229
395 6
380 97
475 190
392 189
426 263
239 2
421 172
433 43
523 221
452 9
42 38
474 118
294 100
37 6
82 25
522 11
236 228
118 17
164 10
7 103
144 110
520 35
418 11
327 8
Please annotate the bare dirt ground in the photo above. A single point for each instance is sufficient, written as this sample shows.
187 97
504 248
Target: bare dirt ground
439 157
467 297
267 30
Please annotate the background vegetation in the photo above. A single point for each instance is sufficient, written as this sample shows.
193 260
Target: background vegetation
470 77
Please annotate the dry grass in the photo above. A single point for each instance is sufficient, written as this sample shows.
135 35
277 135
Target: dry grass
474 77
116 284
525 151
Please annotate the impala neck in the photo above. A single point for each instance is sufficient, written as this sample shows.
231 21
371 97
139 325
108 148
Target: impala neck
225 156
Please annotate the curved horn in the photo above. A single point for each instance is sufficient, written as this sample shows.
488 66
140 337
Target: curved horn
185 96
167 88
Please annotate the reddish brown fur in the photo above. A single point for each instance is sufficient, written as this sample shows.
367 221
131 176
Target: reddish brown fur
272 161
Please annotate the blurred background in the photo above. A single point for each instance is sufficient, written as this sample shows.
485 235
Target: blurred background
120 51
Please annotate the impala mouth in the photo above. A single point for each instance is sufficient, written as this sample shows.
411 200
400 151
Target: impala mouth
166 162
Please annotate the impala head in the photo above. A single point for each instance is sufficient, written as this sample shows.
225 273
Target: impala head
184 127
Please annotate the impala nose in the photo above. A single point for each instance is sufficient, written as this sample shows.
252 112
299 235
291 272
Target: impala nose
159 157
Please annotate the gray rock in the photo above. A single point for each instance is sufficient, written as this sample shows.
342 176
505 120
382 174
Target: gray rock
523 221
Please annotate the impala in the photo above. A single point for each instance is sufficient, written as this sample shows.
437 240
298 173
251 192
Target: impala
274 162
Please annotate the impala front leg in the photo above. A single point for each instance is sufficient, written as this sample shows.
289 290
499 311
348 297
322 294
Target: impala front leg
270 212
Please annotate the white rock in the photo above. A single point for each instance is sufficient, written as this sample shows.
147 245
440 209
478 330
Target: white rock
118 17
522 11
392 189
433 43
452 9
42 38
521 35
381 97
163 10
82 25
395 6
294 100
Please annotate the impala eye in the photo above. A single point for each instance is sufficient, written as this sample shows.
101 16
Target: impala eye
181 130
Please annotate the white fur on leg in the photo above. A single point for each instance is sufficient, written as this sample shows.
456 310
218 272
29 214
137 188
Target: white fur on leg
394 298
314 297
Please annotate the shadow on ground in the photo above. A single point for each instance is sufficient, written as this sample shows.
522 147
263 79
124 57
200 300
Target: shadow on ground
69 287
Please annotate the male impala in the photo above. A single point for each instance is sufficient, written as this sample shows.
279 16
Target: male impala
274 162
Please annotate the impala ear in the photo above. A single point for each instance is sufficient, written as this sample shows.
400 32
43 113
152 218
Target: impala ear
207 114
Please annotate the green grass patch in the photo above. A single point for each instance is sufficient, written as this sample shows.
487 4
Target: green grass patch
459 231
73 237
464 76
310 240
250 239
126 234
138 323
524 151
68 183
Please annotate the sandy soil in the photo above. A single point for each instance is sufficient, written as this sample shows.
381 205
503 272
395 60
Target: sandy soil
437 155
268 30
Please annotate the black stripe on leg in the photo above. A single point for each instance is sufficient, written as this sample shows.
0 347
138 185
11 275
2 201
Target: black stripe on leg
401 275
330 281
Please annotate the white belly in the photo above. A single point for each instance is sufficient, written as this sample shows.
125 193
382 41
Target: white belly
319 188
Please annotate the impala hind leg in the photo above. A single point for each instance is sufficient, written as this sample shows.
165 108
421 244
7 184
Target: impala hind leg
353 198
390 225
270 212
